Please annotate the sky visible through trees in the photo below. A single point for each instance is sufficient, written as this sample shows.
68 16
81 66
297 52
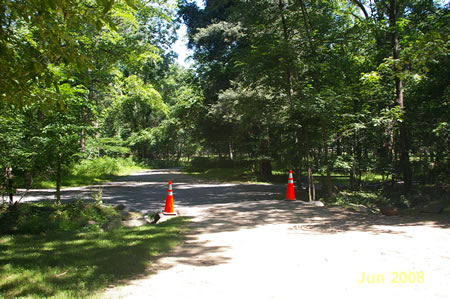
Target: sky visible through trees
180 46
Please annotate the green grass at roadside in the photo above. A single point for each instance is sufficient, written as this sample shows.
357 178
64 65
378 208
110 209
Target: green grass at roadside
224 174
89 172
370 197
99 170
76 264
366 198
239 174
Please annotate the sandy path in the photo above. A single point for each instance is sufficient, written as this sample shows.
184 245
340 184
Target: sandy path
243 244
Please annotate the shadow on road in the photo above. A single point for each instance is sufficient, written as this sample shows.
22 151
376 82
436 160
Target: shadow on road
233 207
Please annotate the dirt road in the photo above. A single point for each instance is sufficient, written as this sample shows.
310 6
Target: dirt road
145 191
244 241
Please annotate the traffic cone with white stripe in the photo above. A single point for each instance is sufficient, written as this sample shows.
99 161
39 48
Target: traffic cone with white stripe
290 194
168 210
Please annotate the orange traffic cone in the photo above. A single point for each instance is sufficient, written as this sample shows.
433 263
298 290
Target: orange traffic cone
290 194
168 210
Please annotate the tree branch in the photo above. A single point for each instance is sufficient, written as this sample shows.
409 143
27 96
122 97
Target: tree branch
363 9
306 20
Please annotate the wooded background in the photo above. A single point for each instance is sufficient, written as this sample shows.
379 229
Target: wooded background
338 86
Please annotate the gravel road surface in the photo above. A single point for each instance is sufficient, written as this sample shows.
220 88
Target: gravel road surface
245 242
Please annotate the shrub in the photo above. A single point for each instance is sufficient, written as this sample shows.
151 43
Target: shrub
369 199
101 167
36 218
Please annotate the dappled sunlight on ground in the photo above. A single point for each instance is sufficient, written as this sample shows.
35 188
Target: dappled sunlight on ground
247 237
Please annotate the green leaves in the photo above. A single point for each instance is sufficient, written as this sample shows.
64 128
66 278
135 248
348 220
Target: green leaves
442 130
132 4
107 5
37 34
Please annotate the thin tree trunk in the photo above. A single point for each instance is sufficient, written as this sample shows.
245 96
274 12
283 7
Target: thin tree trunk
97 135
311 186
83 132
325 149
9 184
28 179
389 142
306 20
338 147
394 13
352 169
58 178
352 178
309 183
230 147
83 140
180 151
357 161
289 85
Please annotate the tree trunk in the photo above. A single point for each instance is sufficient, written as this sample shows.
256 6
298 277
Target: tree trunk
9 184
28 179
97 135
289 88
405 167
311 186
338 147
265 168
352 178
83 131
357 161
325 149
58 178
309 183
351 150
306 20
230 147
83 140
180 151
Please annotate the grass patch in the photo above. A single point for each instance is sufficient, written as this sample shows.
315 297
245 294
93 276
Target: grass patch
245 175
46 217
223 174
89 172
75 262
242 174
366 198
409 204
159 164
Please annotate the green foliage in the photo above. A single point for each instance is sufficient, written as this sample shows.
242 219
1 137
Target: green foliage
101 167
344 162
292 84
369 199
134 106
74 86
290 81
110 146
86 172
31 218
38 34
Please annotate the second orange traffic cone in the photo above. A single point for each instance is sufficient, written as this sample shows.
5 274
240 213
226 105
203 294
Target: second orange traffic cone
168 210
290 193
